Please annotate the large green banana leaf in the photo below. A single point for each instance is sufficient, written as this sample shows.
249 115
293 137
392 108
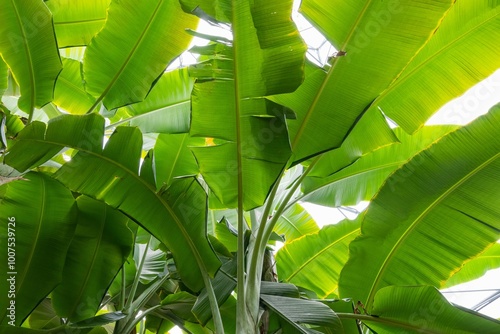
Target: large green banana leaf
371 126
98 249
458 55
139 39
433 214
69 93
362 180
176 216
251 146
295 223
28 46
77 21
332 101
477 267
42 213
167 108
422 309
173 158
314 261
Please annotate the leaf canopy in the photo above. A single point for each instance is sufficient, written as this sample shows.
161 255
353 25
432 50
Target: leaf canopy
408 242
181 207
266 57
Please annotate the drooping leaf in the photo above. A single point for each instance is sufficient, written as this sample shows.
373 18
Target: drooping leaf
39 230
139 39
70 92
98 250
314 261
298 311
100 320
167 108
76 22
477 267
362 179
37 143
457 56
295 223
28 46
332 100
173 158
422 309
252 141
433 214
111 173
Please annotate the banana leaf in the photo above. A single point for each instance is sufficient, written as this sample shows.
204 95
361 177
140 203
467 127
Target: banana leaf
432 215
372 53
422 309
139 39
251 140
458 55
361 180
28 46
69 93
110 174
314 261
167 108
97 251
39 216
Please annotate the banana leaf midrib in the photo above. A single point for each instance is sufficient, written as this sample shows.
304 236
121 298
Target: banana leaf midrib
79 21
417 220
149 113
94 256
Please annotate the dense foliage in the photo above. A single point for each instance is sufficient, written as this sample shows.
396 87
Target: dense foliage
134 199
